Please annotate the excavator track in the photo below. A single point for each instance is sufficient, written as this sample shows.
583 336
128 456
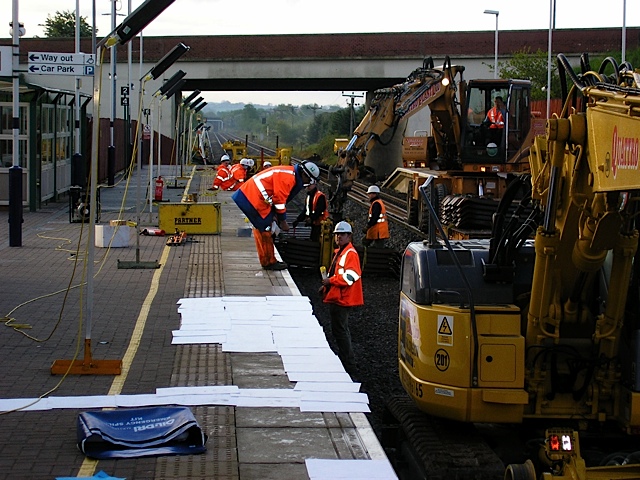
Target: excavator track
425 447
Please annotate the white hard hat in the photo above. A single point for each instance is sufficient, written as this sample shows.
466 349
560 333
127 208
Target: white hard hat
343 227
311 169
266 164
225 158
247 162
373 189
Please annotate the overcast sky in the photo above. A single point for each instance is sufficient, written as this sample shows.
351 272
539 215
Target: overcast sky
265 17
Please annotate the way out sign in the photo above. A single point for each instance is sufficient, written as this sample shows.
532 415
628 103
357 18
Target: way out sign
53 63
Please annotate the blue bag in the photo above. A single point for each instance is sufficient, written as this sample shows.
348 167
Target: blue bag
143 432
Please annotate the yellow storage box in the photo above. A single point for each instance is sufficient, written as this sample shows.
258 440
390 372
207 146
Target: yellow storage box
192 218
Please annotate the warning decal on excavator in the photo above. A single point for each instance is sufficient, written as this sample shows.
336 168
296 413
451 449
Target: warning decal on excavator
445 330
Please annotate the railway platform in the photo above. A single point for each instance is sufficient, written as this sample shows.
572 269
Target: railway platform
196 323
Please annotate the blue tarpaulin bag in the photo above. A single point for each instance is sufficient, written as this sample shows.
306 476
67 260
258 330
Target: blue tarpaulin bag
141 432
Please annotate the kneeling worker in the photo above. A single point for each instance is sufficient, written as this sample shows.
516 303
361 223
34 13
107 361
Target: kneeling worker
224 179
239 172
263 199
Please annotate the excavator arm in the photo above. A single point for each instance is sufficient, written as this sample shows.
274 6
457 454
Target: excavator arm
425 86
580 319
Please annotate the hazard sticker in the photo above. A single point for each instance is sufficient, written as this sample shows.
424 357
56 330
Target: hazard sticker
444 334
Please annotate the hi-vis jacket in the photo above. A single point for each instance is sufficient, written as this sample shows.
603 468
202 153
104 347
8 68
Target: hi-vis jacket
378 227
224 180
238 175
496 118
344 276
264 196
312 208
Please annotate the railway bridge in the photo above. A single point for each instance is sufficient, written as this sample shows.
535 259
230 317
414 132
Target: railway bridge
311 62
325 62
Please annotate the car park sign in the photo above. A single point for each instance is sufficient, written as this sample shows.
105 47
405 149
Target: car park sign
51 63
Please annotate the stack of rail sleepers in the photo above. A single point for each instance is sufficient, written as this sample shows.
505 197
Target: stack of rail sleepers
474 212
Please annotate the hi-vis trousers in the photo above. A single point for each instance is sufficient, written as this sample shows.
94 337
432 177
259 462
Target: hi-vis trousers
265 247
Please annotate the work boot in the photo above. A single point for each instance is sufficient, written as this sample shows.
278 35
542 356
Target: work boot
276 266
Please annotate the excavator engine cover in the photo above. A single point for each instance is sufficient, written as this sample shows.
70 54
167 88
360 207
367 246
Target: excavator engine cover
429 275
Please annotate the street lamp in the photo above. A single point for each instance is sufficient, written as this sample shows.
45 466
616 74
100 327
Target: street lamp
624 30
168 89
495 55
15 172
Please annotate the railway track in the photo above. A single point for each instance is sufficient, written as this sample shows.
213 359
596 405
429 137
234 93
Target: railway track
396 205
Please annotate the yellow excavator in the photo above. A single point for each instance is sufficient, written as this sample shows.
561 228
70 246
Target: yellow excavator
539 326
467 154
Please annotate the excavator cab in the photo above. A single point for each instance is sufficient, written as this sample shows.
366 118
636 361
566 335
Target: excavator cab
498 138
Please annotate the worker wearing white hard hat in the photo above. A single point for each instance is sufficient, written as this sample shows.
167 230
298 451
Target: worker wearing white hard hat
224 179
342 290
240 171
312 171
263 199
377 229
266 164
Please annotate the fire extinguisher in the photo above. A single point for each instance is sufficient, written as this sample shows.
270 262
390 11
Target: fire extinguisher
159 186
157 232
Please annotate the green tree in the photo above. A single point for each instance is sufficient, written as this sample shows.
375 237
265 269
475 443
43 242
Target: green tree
250 118
527 65
318 128
63 25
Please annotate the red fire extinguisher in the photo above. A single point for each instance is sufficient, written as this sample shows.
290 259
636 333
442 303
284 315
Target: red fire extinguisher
159 186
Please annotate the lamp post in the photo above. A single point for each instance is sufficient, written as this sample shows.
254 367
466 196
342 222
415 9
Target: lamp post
552 22
15 172
157 70
186 126
495 55
129 28
164 92
624 30
182 106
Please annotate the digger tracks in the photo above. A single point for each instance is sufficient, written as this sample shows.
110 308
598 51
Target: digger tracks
441 449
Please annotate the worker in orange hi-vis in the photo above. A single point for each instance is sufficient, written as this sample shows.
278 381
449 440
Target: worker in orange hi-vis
263 199
240 171
224 180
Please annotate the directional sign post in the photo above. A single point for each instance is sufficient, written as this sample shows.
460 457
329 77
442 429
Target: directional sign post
50 63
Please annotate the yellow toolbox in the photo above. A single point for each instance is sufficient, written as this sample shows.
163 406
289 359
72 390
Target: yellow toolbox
192 218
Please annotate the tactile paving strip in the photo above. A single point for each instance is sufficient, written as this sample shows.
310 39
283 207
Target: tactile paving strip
200 365
205 278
